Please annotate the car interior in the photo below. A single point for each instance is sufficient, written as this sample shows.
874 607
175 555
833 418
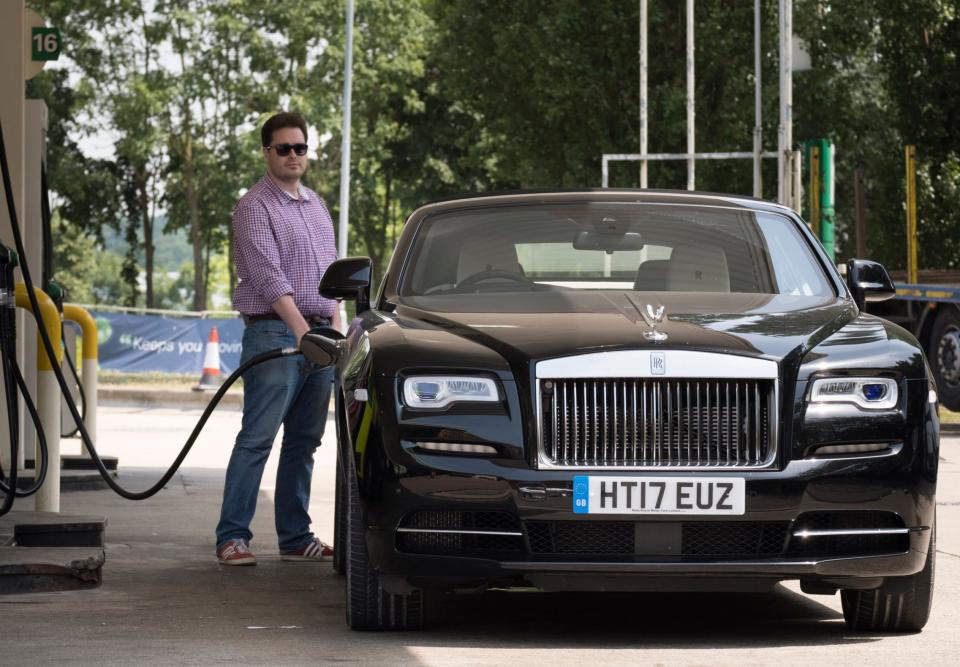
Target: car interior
682 251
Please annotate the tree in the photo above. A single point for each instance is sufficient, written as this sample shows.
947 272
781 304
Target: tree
116 49
553 91
464 95
919 50
888 74
87 191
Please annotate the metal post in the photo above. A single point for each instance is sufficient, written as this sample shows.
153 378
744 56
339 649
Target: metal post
796 193
691 112
827 192
345 145
758 106
88 370
860 212
785 138
35 139
13 55
911 168
815 189
48 397
643 94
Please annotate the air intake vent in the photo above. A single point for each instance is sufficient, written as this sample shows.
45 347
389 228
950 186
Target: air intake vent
456 533
618 540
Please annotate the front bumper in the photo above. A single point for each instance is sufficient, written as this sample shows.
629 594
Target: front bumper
888 486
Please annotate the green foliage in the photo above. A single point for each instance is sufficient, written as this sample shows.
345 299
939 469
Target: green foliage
87 189
107 283
75 258
88 274
553 91
888 75
470 95
175 289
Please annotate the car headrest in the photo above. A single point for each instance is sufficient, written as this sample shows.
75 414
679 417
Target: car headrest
695 268
652 276
489 254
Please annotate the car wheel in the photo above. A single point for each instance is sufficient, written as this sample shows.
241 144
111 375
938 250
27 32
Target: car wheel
339 523
902 605
369 607
945 356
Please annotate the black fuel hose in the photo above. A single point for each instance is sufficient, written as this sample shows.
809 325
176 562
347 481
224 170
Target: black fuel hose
41 465
14 427
76 376
58 372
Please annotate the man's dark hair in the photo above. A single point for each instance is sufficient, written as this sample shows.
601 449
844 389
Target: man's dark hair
280 121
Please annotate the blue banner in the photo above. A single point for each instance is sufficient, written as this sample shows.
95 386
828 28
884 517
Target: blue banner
136 343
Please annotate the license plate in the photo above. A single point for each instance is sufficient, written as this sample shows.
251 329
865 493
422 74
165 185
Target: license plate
595 494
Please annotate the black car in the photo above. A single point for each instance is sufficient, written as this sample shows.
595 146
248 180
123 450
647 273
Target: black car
627 390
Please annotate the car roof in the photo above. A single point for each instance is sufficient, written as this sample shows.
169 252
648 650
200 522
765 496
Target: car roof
638 195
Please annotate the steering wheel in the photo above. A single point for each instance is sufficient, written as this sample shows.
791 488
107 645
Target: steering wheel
494 274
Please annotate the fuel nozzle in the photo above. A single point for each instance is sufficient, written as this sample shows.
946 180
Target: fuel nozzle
57 292
8 260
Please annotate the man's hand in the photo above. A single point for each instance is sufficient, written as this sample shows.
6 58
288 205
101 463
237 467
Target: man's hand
290 314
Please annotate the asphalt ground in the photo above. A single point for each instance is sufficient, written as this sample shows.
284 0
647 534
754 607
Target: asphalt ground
165 600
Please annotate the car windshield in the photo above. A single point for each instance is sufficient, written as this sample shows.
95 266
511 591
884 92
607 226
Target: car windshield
612 246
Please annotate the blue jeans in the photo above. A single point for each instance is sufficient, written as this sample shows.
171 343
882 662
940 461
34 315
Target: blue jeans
291 391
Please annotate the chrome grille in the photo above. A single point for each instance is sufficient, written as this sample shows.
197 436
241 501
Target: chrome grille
657 422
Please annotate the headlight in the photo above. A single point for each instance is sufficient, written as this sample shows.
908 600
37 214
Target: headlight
436 391
869 393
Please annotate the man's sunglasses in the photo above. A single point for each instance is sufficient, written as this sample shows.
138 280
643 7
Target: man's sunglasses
283 150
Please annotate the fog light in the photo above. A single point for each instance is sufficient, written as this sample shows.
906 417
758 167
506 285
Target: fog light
457 448
868 448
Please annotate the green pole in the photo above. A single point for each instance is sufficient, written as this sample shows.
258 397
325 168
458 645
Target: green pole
827 199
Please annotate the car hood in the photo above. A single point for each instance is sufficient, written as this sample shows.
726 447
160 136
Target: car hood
544 325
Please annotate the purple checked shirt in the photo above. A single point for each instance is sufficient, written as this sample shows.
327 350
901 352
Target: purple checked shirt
281 246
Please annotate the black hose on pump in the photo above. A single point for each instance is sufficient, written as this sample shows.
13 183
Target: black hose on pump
14 427
13 379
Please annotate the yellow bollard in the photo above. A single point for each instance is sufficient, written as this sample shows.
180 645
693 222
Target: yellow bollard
48 396
88 372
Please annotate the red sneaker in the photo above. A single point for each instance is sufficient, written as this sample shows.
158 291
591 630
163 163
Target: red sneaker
236 552
314 550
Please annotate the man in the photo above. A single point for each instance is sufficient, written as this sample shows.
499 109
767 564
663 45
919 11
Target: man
283 242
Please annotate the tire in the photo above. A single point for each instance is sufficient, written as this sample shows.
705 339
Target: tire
901 606
339 523
944 355
369 607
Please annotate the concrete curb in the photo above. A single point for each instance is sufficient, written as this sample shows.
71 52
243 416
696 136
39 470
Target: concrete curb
145 396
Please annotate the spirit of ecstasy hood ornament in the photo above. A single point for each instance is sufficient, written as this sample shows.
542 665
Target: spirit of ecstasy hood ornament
654 316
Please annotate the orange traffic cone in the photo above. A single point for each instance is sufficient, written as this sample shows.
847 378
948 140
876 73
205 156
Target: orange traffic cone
210 380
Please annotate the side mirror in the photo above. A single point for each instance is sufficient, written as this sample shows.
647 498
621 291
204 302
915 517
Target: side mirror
348 278
869 281
322 345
